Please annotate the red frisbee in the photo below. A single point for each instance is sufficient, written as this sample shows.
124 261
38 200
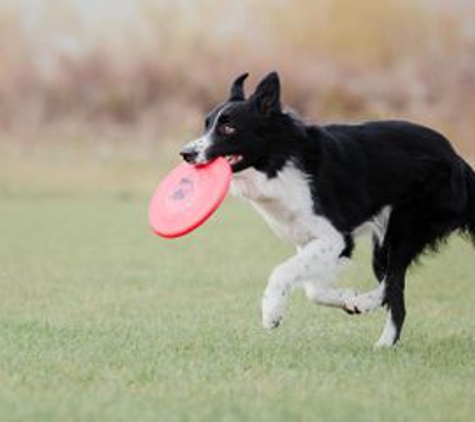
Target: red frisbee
188 196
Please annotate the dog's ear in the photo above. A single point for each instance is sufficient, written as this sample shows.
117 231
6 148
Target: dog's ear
237 88
266 97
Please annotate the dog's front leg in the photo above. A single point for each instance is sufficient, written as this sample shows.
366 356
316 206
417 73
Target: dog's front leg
281 283
316 262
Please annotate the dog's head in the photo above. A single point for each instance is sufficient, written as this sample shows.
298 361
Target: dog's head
238 128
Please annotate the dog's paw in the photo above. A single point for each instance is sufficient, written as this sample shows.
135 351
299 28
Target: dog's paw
363 303
272 311
350 307
383 344
347 294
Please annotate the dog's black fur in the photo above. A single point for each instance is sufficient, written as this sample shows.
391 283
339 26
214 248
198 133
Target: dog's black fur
356 170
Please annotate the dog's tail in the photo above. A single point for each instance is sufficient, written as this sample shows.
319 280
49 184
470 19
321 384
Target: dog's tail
468 179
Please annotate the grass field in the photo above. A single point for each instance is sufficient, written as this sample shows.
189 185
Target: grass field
102 321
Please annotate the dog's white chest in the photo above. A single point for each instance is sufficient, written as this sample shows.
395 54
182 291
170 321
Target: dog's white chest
284 201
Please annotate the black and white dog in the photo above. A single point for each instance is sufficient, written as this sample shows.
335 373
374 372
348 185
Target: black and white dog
320 186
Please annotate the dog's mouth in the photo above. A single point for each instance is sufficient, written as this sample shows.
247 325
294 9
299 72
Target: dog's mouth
234 159
237 162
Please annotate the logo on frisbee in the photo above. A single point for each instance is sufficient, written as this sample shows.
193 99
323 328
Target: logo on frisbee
185 188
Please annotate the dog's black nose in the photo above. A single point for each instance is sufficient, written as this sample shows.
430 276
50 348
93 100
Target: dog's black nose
188 155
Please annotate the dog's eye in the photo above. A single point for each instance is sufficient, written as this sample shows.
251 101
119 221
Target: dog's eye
227 130
207 122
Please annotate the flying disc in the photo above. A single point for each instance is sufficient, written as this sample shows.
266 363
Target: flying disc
188 196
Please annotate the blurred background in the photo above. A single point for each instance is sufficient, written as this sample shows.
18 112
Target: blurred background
101 320
89 83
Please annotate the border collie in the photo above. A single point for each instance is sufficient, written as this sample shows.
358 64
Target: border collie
320 186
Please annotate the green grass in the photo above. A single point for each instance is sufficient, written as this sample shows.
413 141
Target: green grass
102 321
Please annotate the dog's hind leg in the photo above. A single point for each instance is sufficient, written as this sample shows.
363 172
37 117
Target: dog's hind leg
401 251
394 299
380 259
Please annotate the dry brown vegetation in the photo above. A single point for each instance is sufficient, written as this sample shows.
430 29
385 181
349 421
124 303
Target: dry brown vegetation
144 72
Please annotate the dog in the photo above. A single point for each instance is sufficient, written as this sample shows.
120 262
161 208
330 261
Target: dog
319 187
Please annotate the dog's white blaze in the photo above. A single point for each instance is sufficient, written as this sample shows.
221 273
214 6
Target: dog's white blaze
388 337
201 145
